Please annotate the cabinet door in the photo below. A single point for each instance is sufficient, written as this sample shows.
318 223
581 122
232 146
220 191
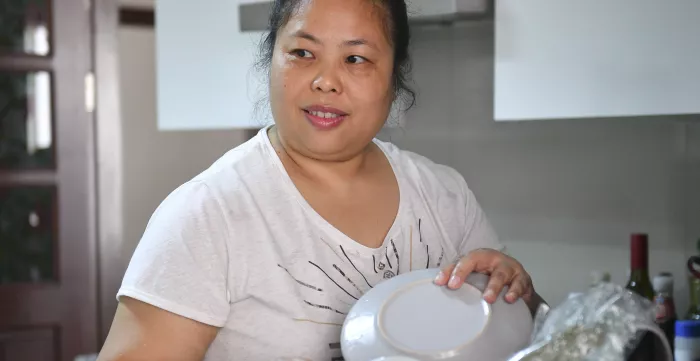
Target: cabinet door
205 67
48 291
596 58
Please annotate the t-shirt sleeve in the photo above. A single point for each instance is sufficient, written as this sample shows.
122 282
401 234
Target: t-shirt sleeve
181 263
478 231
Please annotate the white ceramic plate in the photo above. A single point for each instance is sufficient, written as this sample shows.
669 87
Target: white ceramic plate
409 317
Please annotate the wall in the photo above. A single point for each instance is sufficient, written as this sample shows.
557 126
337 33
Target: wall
693 185
564 195
149 4
154 162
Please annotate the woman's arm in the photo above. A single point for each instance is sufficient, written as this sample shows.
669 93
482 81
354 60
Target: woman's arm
144 332
173 297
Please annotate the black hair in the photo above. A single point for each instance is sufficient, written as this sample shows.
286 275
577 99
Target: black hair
397 27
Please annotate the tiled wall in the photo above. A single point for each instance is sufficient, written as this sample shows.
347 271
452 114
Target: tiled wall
693 185
563 195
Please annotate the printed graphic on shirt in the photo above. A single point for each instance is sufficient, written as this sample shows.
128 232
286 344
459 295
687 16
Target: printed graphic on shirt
344 280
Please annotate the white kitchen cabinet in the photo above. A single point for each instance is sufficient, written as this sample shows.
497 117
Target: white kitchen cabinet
205 67
596 58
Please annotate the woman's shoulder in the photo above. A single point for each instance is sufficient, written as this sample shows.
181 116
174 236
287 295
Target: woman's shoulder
244 172
248 161
424 172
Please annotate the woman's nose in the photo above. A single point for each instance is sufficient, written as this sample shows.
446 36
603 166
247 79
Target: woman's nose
327 81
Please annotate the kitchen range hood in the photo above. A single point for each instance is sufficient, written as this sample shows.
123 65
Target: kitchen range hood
254 16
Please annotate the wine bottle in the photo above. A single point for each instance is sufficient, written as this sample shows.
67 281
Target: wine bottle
639 282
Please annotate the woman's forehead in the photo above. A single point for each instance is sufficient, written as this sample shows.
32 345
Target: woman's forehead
339 21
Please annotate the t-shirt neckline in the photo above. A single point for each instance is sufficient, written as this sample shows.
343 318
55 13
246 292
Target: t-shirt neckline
336 235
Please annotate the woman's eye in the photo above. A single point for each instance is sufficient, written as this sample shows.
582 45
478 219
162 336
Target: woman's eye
356 59
302 53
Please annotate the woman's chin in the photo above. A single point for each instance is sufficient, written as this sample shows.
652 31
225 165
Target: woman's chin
330 148
332 153
339 144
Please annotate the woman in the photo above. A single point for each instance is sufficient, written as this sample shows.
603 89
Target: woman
260 256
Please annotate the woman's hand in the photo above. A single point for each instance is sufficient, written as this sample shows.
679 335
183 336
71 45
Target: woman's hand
503 271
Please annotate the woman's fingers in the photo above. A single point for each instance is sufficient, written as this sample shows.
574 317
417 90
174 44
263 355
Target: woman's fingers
502 272
517 289
461 271
524 286
444 275
499 278
455 274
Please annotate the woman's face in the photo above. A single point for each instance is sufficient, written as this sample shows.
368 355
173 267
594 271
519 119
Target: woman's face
331 78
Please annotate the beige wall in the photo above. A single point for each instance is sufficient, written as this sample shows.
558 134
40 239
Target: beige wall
155 162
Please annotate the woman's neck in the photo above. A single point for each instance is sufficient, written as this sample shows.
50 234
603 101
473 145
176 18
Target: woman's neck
335 172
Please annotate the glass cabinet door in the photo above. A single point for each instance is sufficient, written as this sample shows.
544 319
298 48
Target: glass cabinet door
26 122
25 27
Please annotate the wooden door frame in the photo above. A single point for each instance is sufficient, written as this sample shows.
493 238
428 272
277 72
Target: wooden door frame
108 124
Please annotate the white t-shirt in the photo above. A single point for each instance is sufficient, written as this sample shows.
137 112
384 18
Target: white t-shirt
239 248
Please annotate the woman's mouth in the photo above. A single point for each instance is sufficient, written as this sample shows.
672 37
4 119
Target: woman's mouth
324 118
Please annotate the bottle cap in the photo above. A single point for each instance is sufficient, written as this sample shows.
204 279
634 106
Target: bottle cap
663 283
688 328
639 247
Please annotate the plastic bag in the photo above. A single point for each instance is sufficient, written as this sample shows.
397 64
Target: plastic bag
600 325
